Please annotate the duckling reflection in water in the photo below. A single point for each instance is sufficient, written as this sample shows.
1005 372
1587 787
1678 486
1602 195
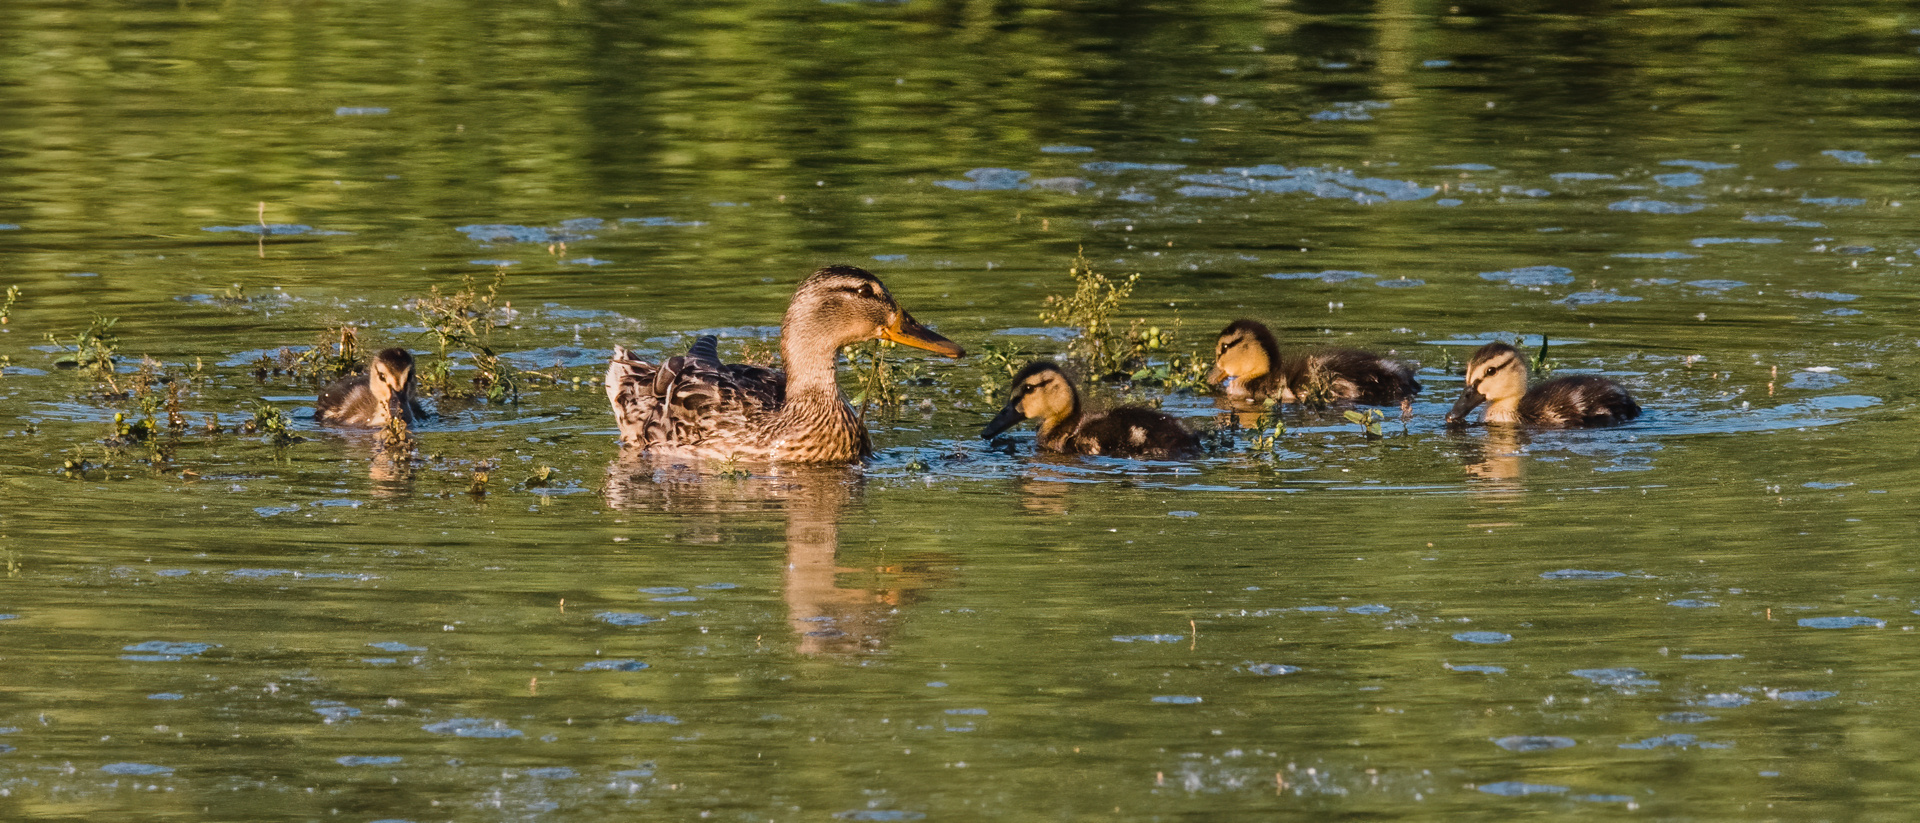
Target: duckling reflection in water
1497 376
1248 367
385 393
1042 392
1495 460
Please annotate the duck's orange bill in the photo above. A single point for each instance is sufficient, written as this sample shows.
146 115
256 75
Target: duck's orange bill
908 332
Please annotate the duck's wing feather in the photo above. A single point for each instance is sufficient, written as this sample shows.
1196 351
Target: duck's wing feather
1134 431
691 399
1364 377
1578 401
348 401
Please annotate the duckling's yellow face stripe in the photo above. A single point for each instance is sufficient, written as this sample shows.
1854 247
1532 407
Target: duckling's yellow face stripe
1240 355
1479 373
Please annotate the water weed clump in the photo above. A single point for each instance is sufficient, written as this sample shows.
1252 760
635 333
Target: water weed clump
1268 428
1108 354
464 320
267 420
93 350
335 355
1539 365
881 377
1089 310
1368 421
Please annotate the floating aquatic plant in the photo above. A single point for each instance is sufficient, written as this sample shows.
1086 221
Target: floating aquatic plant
998 362
335 355
465 320
1368 421
1538 364
267 420
1090 310
94 349
881 376
1268 428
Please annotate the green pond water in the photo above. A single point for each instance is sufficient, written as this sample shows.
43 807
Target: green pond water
1704 615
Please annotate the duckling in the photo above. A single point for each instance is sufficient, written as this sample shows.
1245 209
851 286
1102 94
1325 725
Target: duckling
696 406
386 392
1041 391
1248 362
1497 376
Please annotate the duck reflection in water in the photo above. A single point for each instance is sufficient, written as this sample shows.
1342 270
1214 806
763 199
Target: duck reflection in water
833 609
1496 459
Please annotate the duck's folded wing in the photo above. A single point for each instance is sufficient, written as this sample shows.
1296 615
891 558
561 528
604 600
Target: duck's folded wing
691 399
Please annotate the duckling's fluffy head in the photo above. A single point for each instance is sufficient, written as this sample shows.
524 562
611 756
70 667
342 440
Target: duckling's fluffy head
390 375
1041 391
840 305
1244 351
1496 375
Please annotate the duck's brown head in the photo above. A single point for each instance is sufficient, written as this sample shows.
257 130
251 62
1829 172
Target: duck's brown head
840 305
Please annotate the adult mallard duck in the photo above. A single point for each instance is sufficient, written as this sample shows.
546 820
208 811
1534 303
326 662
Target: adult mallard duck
386 392
696 406
1247 361
1041 391
1497 376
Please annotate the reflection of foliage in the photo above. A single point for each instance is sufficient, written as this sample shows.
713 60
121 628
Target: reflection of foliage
465 320
6 305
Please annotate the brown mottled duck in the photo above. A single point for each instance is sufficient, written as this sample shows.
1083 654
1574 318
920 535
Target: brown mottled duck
697 406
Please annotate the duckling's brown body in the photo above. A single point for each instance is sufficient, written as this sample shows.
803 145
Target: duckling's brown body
385 393
1497 376
1041 391
697 406
1248 367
